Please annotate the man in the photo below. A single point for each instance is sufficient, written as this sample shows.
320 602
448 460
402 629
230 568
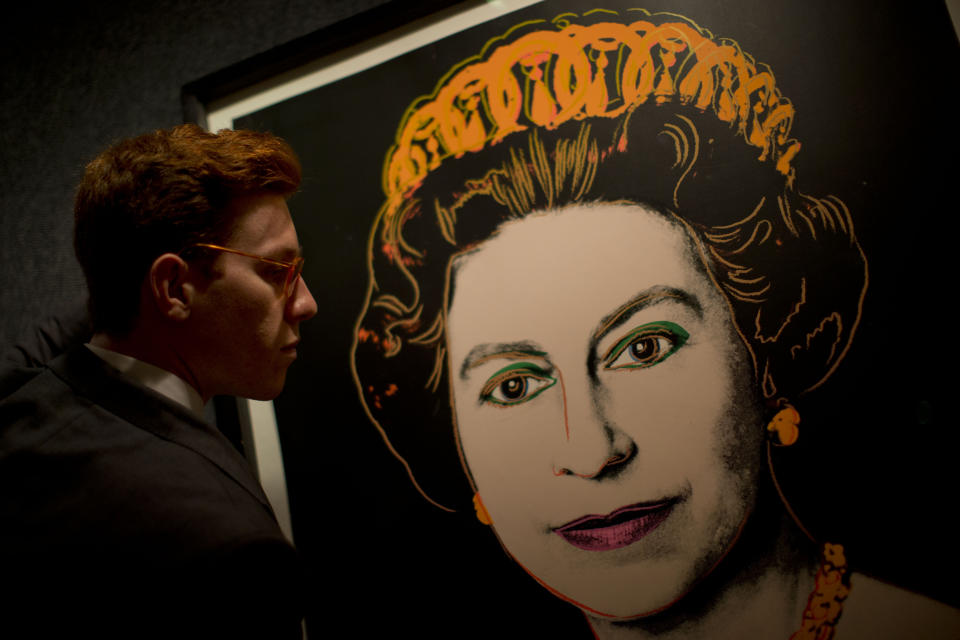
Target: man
121 510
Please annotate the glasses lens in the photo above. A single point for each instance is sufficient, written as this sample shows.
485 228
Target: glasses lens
293 276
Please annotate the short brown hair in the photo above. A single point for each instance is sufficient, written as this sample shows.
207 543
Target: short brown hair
162 192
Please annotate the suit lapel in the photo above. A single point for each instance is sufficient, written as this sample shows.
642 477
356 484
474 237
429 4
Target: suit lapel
93 378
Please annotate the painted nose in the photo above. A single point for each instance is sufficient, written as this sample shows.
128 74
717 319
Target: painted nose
590 446
301 305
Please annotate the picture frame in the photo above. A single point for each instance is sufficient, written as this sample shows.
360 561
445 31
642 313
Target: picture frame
238 95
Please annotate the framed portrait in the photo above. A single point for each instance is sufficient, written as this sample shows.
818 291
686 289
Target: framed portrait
619 306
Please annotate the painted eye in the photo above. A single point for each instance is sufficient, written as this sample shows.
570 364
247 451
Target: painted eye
646 346
516 383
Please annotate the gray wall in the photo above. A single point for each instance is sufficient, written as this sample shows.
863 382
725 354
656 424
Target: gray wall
78 78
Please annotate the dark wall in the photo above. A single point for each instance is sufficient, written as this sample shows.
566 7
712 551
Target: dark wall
77 78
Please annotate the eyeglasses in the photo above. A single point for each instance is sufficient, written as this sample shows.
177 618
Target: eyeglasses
287 272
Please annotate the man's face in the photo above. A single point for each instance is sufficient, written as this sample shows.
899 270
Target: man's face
244 328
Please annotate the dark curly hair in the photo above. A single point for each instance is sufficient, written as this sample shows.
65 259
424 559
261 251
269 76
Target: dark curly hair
712 155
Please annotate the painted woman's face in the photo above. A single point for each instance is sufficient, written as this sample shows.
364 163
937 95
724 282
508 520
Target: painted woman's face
604 404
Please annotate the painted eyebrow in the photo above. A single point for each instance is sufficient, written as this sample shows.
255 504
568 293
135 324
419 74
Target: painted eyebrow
644 300
526 349
509 350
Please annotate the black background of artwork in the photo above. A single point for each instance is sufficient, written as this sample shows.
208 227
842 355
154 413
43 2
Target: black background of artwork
875 465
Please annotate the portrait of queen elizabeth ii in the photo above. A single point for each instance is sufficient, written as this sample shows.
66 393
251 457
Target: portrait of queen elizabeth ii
598 299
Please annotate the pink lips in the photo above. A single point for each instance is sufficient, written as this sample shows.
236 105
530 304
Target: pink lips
617 529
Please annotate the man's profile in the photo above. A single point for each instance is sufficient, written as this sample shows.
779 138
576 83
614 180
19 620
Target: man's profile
121 509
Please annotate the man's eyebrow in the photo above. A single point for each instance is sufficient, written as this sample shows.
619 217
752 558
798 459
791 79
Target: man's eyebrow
509 350
287 254
643 300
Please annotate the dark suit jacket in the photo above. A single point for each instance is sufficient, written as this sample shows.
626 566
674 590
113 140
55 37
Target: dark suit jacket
122 511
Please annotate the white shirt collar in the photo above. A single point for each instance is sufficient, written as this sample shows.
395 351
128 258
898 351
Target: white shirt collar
160 380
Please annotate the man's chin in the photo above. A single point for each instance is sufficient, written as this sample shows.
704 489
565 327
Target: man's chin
264 393
265 396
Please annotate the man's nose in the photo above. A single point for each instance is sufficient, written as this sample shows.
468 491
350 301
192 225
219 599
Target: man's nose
301 305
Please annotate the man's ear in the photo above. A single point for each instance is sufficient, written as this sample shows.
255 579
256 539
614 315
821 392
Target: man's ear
170 287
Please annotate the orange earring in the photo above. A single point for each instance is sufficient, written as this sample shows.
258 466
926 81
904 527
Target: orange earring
784 427
481 510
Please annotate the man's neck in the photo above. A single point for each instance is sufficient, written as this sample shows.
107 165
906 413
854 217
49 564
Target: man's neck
158 352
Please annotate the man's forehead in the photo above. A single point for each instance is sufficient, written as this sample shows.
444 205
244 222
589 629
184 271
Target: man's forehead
263 223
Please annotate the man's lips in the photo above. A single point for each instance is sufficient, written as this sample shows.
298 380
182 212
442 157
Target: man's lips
617 529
